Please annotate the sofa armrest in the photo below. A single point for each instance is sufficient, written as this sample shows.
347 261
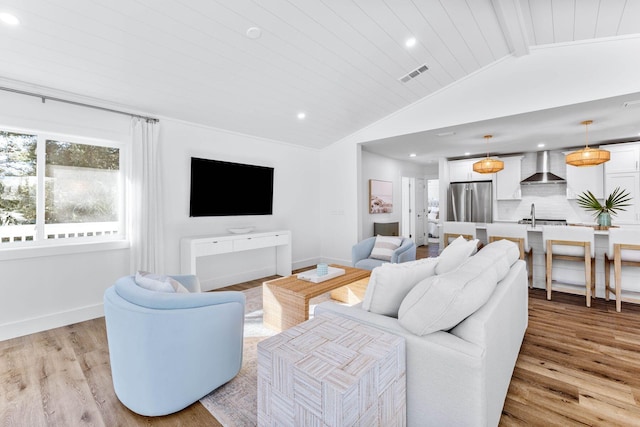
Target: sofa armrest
406 252
435 362
362 250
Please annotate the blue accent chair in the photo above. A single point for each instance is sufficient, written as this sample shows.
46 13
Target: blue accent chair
360 253
168 350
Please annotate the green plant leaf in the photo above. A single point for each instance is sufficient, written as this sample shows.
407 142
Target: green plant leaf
616 201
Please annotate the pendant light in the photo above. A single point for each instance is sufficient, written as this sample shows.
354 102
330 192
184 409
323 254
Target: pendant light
488 165
587 156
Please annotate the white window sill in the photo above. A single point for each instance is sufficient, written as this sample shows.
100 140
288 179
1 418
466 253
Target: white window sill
43 250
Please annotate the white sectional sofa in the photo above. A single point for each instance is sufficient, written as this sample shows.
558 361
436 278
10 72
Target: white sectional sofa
463 324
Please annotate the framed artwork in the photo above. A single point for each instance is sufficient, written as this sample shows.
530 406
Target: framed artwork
380 196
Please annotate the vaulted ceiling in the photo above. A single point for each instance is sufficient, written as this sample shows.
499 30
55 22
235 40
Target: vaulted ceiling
341 62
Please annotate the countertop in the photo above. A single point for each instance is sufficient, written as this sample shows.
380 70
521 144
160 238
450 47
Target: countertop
538 228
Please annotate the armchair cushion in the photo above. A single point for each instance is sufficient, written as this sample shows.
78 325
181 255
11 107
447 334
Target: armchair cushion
390 283
159 283
384 247
361 253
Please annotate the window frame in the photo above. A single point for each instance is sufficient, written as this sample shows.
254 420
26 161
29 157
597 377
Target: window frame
51 247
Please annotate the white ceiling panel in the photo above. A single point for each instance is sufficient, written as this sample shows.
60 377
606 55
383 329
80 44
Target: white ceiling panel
339 61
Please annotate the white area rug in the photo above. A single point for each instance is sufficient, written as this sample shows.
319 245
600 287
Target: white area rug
234 404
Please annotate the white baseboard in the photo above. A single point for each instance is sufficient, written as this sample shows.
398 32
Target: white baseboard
50 321
312 262
232 279
64 318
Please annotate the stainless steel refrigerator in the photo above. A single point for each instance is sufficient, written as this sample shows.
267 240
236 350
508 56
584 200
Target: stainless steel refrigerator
470 201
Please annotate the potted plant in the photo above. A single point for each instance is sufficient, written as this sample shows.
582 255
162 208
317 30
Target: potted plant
617 201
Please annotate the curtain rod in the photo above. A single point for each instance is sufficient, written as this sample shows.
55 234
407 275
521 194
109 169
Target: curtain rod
80 104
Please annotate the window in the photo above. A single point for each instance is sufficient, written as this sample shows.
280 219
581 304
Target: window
58 189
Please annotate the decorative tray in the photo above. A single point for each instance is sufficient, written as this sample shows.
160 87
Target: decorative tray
240 230
312 275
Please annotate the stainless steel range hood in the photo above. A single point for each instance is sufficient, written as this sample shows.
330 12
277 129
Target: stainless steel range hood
542 175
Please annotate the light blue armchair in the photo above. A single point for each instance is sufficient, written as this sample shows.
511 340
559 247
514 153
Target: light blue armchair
360 253
168 350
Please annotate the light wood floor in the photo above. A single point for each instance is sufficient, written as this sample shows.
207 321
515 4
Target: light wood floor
577 366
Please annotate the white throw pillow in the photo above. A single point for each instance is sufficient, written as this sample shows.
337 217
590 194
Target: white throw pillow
159 283
390 283
384 247
441 302
455 254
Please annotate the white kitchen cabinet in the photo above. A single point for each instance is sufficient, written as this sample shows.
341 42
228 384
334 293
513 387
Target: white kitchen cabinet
623 170
631 182
462 170
585 178
508 179
624 158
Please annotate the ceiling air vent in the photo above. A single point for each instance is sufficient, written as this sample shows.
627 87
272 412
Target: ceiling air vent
413 74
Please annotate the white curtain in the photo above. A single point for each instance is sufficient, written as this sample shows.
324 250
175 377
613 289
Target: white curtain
145 198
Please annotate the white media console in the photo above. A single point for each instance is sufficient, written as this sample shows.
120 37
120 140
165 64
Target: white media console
198 246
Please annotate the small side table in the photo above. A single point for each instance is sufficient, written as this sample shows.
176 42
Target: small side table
332 371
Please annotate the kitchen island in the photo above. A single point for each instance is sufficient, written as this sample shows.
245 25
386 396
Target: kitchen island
572 273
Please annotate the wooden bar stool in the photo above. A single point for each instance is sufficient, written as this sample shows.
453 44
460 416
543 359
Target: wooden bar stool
570 243
624 249
516 233
452 229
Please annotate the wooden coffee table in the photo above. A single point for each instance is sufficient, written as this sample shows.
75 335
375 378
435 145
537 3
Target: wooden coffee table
285 301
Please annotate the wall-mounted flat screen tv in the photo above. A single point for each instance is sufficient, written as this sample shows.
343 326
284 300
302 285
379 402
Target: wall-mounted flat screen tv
223 189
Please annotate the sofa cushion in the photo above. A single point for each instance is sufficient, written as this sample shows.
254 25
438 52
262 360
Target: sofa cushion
159 283
384 247
441 302
455 253
390 283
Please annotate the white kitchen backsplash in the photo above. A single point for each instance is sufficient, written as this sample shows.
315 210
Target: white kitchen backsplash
550 199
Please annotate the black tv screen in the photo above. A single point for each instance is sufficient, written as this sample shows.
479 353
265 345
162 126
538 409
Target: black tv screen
223 188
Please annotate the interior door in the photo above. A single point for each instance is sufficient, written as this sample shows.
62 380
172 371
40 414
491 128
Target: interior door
421 212
408 208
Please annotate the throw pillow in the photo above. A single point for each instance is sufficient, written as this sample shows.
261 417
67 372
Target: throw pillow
384 247
159 283
390 283
455 254
442 302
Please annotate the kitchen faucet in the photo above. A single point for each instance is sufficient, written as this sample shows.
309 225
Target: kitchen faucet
533 215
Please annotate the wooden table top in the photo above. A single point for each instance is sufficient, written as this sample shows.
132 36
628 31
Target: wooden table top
310 289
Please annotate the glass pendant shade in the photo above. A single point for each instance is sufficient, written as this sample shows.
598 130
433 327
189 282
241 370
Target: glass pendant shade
587 156
488 165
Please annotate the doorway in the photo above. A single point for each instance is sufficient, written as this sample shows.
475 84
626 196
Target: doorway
414 210
433 210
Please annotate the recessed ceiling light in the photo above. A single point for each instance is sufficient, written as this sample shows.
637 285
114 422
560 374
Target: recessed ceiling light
467 153
9 19
410 42
540 145
302 115
254 33
412 155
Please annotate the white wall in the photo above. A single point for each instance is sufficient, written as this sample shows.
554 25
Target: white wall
296 202
52 290
384 169
43 292
546 78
